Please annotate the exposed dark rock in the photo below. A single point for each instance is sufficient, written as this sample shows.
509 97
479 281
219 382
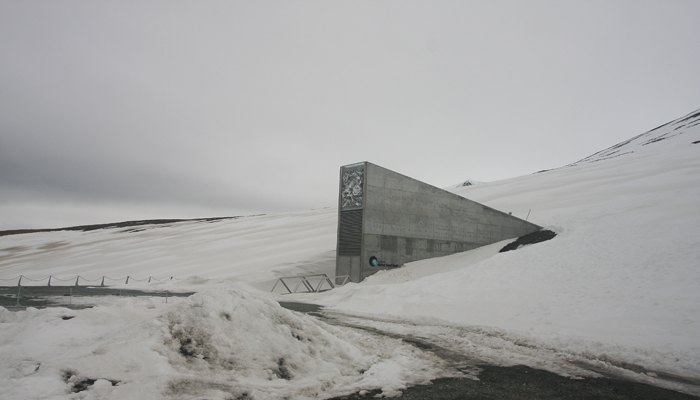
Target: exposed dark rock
282 370
530 238
125 224
80 383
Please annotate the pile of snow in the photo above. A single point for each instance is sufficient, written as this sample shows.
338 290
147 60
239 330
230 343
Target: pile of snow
218 344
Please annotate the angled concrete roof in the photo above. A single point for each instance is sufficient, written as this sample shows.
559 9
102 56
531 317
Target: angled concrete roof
398 219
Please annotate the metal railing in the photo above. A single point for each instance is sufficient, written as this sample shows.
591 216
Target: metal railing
309 283
79 279
14 297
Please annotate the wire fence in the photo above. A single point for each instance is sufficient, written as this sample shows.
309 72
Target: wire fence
14 297
78 281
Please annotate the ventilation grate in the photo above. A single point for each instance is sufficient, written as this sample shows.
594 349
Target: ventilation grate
350 233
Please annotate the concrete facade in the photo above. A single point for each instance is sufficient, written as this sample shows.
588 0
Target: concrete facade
397 219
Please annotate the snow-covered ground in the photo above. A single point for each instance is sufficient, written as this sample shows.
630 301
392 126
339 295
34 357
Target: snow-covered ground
217 344
255 249
616 291
621 280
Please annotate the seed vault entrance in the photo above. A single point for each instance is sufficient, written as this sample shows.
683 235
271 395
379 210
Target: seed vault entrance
386 219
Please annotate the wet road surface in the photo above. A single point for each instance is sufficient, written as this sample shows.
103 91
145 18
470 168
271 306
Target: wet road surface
497 383
524 383
512 383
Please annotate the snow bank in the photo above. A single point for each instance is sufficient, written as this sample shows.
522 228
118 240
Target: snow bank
218 344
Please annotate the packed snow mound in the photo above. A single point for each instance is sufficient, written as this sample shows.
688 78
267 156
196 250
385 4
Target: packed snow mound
251 340
230 343
223 330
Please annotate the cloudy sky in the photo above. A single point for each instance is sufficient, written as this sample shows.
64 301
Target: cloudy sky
124 110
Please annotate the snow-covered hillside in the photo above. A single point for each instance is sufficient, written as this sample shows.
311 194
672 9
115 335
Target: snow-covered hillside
619 284
254 249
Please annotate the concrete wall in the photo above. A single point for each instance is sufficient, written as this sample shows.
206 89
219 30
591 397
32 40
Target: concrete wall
406 220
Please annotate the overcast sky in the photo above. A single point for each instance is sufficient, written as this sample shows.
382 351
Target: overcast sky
122 110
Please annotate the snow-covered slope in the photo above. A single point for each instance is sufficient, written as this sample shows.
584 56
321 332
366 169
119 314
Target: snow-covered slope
255 249
623 274
620 283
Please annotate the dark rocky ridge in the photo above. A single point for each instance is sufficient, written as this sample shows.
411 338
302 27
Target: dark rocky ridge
125 224
530 238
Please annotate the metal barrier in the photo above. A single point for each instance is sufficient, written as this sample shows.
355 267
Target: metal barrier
79 278
14 297
308 283
345 279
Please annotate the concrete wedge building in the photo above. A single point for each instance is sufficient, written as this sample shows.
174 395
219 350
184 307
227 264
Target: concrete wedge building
386 219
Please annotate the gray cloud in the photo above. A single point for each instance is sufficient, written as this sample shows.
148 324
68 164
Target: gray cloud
237 107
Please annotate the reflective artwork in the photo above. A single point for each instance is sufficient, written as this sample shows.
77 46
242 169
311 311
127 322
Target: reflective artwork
351 189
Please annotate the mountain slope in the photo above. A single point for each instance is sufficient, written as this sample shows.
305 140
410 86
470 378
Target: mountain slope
257 249
621 281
